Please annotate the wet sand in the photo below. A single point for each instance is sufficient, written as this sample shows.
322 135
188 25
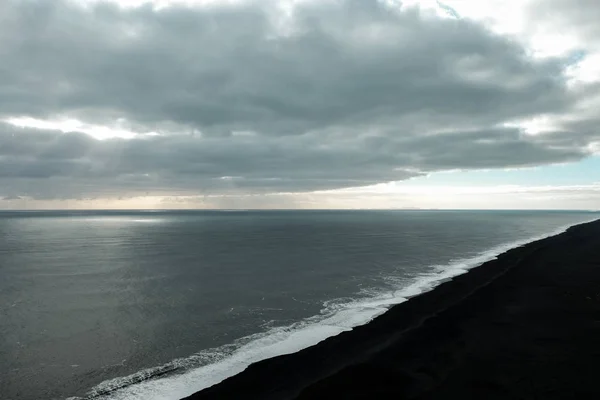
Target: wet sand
523 326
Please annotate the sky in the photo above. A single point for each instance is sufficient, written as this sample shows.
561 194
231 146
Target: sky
242 104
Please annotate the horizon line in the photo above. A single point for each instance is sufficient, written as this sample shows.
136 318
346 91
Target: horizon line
290 209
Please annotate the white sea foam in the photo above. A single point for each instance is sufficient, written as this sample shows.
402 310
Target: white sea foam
183 377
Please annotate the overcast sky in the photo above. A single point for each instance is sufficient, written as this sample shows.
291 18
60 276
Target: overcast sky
299 104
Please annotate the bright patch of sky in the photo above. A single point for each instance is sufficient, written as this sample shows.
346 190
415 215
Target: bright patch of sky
66 125
585 172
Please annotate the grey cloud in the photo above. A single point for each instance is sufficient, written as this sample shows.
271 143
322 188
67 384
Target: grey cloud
223 69
77 165
341 94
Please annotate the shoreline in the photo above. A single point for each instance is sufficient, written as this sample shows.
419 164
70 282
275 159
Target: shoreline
182 377
318 369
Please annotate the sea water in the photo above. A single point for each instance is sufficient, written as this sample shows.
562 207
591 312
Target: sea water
158 305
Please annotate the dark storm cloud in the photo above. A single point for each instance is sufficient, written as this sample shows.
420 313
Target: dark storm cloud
338 94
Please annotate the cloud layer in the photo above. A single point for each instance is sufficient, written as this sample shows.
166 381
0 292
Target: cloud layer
254 97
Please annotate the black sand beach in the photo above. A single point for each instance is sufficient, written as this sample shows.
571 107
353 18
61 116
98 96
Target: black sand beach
523 326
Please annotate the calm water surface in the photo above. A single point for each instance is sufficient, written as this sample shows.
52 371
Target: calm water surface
93 303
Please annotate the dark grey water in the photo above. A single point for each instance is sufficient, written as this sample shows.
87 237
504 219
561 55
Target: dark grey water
91 302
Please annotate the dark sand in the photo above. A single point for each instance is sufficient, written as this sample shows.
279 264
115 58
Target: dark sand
524 326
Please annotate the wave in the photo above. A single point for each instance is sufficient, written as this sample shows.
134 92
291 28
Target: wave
183 377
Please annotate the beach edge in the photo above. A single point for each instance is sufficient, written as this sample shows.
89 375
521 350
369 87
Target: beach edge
287 376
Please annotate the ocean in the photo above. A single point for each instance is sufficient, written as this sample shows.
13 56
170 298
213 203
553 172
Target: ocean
159 304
